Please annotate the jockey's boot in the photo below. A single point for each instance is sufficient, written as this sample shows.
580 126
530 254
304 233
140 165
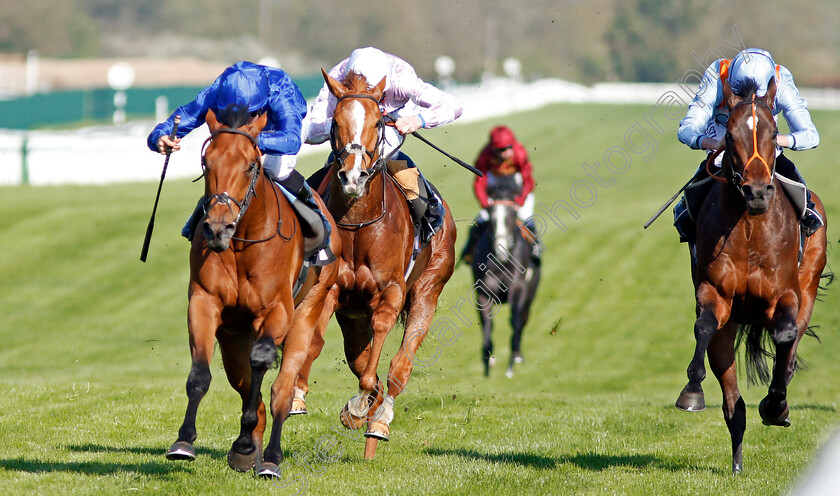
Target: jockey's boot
811 219
426 211
537 248
472 239
188 231
296 184
683 222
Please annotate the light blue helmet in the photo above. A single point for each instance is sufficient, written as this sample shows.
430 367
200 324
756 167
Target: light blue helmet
752 64
244 84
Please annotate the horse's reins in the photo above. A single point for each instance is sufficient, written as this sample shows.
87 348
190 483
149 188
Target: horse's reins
226 199
358 149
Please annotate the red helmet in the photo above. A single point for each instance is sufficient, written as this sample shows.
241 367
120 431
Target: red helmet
501 137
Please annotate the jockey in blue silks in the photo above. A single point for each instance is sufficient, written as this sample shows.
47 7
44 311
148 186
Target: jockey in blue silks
704 125
259 89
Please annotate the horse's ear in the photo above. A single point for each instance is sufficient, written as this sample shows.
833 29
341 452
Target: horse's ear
211 120
730 98
256 126
379 89
334 86
769 97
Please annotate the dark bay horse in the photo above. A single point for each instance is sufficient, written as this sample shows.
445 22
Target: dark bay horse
378 282
748 282
244 263
503 267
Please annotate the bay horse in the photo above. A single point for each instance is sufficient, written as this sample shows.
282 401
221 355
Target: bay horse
749 286
379 280
244 262
503 267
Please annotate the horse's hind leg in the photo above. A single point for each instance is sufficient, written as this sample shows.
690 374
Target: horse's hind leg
486 318
315 347
722 362
203 322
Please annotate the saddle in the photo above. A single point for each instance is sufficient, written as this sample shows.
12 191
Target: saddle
795 191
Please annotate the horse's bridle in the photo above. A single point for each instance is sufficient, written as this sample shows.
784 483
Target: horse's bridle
358 149
738 179
225 199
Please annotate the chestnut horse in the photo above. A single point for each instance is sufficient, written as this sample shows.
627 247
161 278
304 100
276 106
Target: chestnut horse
747 279
376 282
244 263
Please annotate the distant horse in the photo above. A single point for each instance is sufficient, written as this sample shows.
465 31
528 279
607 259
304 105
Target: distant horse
379 281
747 279
244 263
503 267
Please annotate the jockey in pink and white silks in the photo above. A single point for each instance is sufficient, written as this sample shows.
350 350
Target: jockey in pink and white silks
704 125
411 102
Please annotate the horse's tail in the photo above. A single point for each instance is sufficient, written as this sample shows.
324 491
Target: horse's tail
757 344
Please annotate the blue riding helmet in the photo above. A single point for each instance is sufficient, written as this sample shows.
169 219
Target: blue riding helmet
243 84
755 64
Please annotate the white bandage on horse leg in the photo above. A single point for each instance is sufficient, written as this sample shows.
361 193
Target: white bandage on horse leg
358 405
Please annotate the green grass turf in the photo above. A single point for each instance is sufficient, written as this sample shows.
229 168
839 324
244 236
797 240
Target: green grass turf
94 353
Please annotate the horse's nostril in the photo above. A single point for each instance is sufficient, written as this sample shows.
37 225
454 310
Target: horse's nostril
342 176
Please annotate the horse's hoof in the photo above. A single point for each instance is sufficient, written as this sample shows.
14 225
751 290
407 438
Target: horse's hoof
781 419
242 462
298 403
737 467
268 470
491 361
691 401
298 407
509 373
379 430
349 420
518 358
181 450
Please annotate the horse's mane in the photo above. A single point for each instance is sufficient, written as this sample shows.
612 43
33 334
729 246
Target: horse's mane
745 88
356 82
234 116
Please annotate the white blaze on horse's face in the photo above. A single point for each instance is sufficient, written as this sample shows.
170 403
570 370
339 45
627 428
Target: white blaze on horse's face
355 177
500 231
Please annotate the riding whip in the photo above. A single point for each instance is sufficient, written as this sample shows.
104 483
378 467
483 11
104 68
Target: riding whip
148 239
667 204
454 159
709 160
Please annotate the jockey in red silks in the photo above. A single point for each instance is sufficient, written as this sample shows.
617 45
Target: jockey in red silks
504 156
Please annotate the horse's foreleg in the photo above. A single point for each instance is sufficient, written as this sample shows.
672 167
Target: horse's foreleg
243 455
712 312
203 319
382 321
774 408
236 352
296 354
485 311
722 362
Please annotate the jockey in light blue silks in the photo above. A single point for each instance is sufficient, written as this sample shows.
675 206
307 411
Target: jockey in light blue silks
704 125
258 89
